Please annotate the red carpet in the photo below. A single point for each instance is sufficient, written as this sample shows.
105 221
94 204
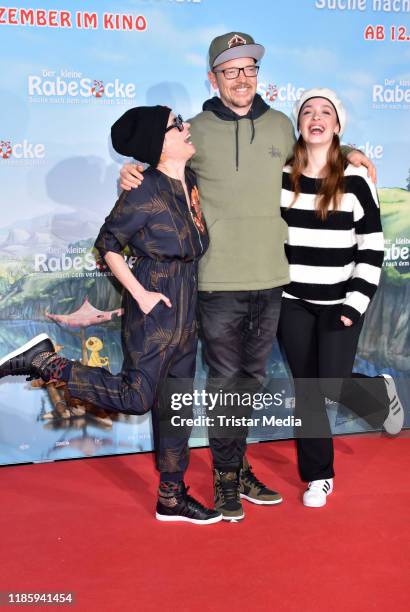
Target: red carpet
87 526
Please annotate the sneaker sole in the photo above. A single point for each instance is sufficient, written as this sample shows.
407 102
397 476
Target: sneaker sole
259 502
28 345
233 519
320 505
314 505
394 422
185 519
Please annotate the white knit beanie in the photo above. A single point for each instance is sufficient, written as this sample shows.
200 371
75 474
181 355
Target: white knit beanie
320 92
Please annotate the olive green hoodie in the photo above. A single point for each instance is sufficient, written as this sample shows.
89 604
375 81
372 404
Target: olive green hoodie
238 163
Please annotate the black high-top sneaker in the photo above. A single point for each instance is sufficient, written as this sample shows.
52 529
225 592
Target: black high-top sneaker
20 361
226 493
174 504
253 490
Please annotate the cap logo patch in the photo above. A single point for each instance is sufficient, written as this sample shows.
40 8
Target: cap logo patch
236 41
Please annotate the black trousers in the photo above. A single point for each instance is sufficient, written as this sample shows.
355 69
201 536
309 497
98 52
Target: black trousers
237 329
321 351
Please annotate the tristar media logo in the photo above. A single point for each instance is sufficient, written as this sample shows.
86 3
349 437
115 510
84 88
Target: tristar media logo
24 152
72 87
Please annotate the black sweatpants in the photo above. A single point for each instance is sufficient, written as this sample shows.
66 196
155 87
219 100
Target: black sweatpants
321 351
237 329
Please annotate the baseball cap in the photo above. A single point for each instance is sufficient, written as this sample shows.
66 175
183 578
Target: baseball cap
231 46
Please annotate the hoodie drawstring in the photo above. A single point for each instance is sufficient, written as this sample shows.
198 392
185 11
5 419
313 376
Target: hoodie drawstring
237 143
253 126
237 137
258 108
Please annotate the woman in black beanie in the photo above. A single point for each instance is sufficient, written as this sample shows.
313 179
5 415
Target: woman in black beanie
162 225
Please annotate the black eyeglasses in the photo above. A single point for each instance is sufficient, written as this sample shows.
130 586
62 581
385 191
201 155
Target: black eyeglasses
233 73
178 123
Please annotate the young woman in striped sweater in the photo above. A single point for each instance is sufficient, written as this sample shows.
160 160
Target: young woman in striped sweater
335 250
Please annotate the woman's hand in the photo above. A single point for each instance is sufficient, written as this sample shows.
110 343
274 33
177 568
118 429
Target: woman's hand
147 300
346 322
131 176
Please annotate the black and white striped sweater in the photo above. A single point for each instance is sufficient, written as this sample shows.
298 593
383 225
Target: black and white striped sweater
336 261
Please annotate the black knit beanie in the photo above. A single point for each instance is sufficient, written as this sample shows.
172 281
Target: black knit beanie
140 133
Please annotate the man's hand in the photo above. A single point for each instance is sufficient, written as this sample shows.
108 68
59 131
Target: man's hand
149 299
346 322
131 176
357 158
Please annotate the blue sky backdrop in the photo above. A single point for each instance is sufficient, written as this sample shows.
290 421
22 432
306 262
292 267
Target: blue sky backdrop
305 46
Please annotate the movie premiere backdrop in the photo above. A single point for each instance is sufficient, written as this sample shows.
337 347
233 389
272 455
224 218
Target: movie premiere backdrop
68 71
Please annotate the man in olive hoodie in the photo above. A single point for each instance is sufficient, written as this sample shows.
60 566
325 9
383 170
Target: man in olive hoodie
241 147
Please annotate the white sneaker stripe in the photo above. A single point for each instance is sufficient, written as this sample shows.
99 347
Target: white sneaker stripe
25 347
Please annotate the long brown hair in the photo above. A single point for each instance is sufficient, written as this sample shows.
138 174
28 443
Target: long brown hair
332 186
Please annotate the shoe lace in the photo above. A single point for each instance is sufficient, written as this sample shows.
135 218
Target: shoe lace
251 478
191 501
228 489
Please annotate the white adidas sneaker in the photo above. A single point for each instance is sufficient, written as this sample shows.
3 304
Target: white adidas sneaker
317 492
395 419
